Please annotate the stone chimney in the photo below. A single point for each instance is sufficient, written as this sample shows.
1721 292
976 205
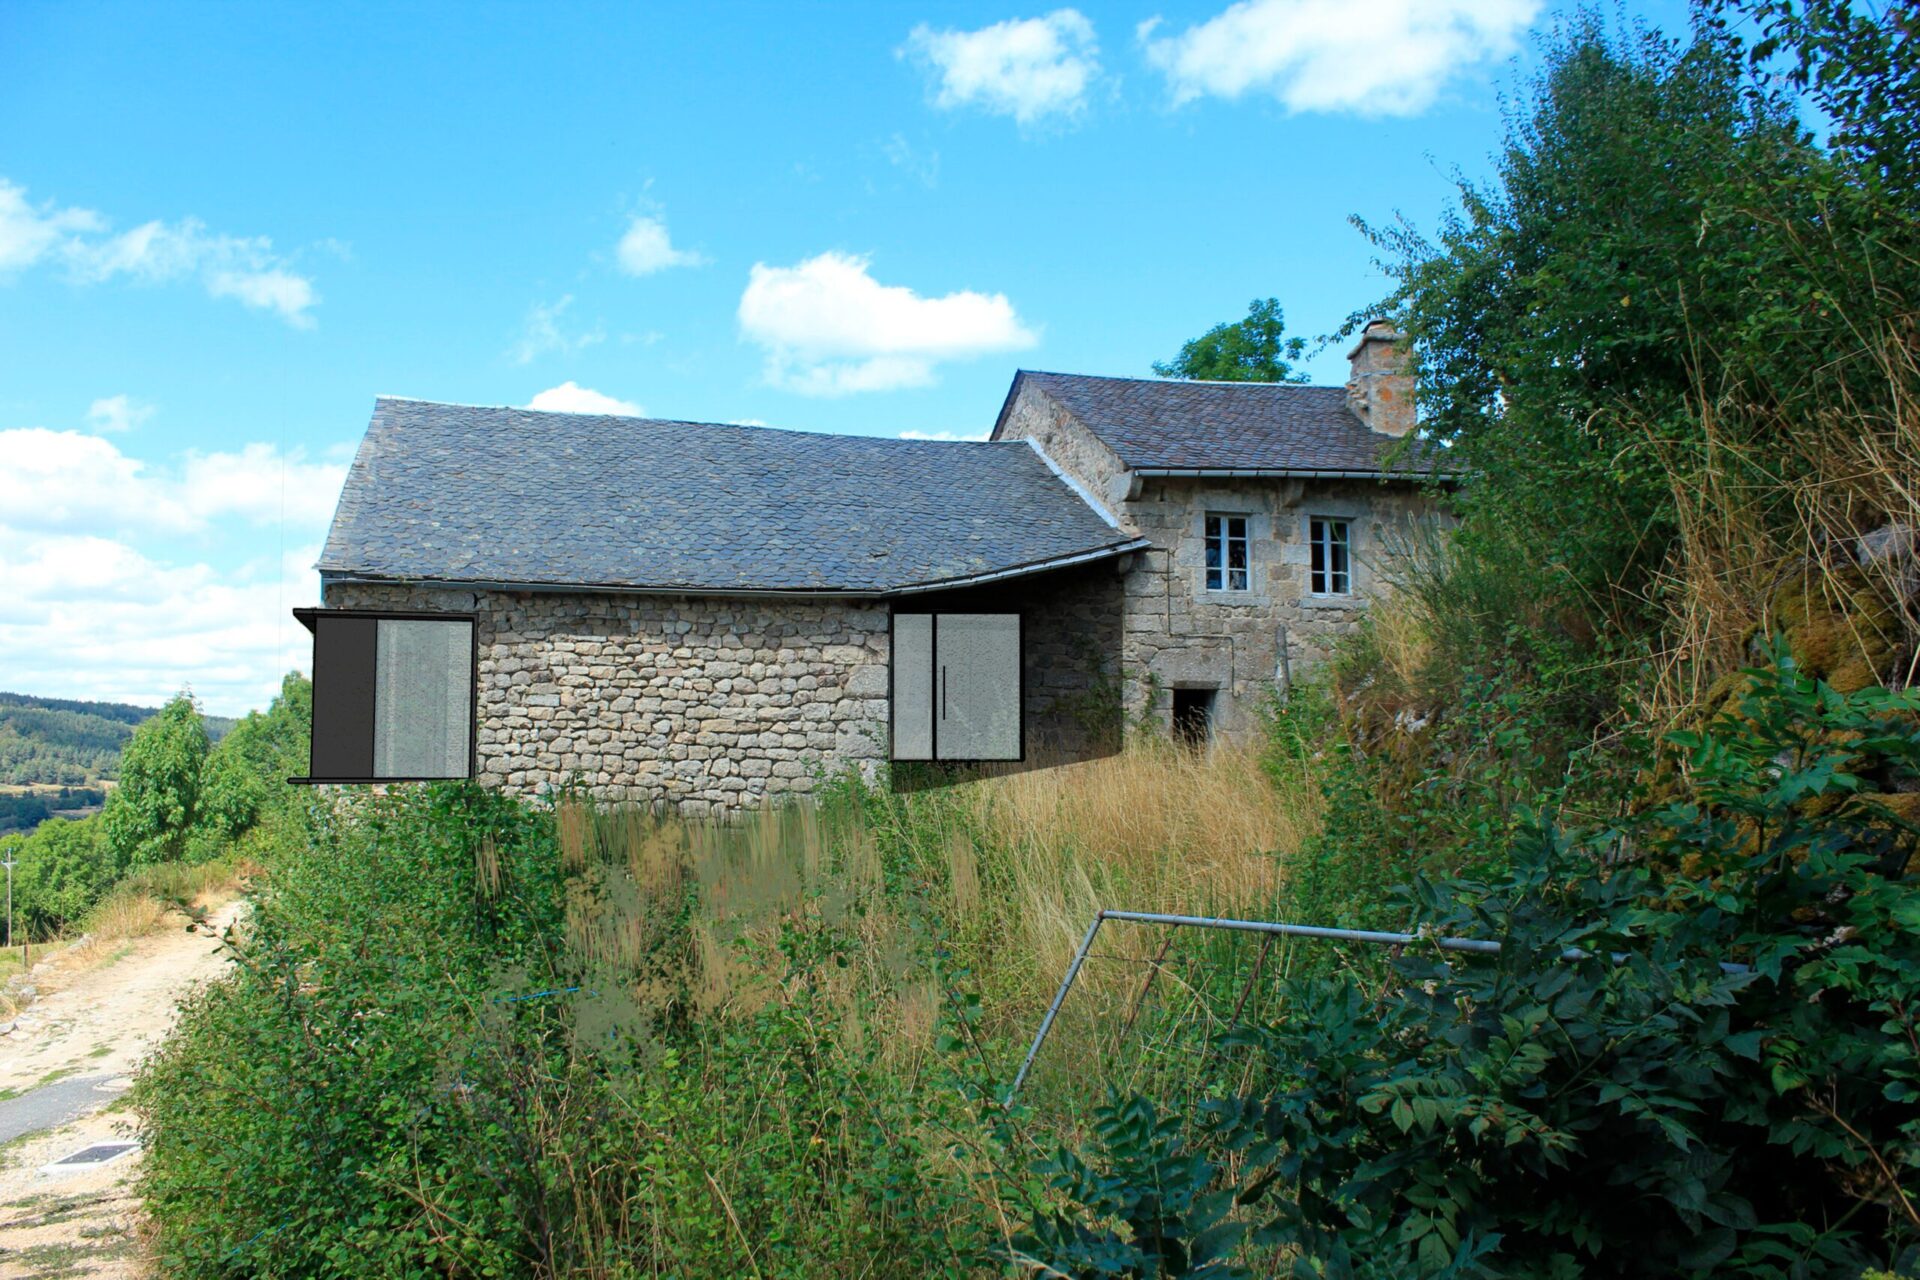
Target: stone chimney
1380 388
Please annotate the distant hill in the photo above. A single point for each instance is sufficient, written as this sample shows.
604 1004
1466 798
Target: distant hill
63 742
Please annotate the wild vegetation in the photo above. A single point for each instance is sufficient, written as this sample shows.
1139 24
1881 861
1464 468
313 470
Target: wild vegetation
180 802
1647 719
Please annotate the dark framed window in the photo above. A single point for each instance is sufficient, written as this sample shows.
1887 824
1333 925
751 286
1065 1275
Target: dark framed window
393 695
955 687
1227 553
1330 556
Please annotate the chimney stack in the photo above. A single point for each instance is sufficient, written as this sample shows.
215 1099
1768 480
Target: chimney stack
1380 388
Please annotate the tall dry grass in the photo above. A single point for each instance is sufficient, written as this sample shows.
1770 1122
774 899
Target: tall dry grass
1771 514
1007 871
152 898
1158 827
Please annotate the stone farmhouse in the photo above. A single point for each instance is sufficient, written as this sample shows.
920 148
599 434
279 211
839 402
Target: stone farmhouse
706 616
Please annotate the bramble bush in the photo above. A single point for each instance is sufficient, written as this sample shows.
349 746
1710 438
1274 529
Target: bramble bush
1602 1098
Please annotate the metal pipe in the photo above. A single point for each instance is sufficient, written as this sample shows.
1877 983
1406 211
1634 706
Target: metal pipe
1286 473
1053 1010
1470 946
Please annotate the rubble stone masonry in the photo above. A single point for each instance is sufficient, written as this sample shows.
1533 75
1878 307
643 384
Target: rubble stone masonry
698 703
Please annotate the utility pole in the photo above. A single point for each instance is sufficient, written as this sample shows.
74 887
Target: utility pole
9 866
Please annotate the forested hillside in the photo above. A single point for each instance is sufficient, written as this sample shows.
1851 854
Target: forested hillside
63 742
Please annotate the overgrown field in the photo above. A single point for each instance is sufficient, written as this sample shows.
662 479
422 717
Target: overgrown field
587 1041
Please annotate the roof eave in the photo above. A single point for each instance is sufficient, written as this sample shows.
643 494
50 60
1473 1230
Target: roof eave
351 577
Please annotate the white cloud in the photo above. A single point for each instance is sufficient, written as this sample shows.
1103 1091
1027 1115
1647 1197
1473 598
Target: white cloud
117 413
541 333
110 589
646 248
830 328
244 268
1027 68
945 435
1392 58
571 397
72 482
94 617
29 233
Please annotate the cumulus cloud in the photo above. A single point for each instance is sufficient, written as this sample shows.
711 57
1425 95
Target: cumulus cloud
1325 55
945 435
646 248
830 328
94 617
74 482
541 333
243 268
571 397
1028 68
114 583
117 413
29 233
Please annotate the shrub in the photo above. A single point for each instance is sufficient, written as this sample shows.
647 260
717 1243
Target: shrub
61 870
502 1041
1602 1098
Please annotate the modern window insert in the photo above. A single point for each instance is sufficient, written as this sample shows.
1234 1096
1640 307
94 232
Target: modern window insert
1227 553
1330 557
392 696
956 691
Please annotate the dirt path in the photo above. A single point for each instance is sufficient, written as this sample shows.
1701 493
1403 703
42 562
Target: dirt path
66 1064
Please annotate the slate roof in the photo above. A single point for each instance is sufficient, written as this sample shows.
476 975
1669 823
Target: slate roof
1223 426
499 495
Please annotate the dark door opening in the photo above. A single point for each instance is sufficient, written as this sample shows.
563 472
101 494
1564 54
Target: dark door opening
1193 716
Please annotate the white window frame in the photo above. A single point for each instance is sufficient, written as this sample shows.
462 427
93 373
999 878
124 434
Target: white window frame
1218 527
1323 579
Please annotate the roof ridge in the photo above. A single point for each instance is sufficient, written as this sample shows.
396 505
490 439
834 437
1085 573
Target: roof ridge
1185 382
674 422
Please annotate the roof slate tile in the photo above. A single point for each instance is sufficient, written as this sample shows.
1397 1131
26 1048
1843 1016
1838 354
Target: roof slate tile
1222 426
475 494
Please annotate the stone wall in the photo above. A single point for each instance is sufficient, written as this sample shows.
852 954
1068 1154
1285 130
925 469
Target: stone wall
1037 416
707 704
1175 633
698 703
1179 635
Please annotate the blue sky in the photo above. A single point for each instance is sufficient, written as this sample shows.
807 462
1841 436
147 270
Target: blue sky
225 228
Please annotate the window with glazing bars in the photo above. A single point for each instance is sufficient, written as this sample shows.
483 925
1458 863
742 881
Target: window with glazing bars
1331 558
1227 553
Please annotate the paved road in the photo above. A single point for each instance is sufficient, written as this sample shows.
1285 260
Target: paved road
52 1105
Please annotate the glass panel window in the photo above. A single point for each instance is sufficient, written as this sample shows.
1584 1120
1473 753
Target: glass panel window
1329 557
392 696
1227 559
957 686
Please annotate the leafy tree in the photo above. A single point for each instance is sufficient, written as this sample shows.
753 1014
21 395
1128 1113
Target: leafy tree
1255 349
151 814
1860 66
63 868
246 774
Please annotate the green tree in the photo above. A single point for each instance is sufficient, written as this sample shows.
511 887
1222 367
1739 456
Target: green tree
62 869
246 773
151 814
1255 349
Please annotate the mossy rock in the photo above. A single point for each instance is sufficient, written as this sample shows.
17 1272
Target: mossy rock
1840 627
